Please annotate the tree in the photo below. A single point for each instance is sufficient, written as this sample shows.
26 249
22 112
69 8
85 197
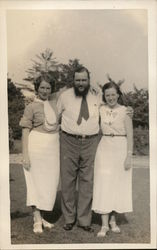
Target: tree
15 109
45 62
62 74
67 72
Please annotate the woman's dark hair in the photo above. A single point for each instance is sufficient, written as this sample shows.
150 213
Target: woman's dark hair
47 77
112 84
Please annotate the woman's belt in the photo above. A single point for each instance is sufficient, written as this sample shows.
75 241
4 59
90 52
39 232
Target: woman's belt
42 130
112 135
79 136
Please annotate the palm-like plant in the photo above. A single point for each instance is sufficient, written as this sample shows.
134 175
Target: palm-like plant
45 63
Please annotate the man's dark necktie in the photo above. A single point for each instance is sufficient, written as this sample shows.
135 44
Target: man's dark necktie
84 113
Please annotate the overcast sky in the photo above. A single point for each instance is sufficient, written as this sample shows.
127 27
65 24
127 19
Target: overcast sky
105 41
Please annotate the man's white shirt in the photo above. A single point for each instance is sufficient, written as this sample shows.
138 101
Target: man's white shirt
68 106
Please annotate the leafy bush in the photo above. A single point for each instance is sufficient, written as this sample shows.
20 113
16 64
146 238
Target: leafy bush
138 100
141 141
15 108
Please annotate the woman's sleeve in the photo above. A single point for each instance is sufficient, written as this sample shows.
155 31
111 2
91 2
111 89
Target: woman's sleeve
27 119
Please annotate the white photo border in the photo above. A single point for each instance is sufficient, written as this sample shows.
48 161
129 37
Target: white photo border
5 223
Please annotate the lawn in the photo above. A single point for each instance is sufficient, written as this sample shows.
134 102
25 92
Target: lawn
135 227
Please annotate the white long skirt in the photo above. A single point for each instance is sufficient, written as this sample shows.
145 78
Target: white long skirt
43 177
112 183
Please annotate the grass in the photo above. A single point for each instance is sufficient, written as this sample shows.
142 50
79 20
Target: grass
135 227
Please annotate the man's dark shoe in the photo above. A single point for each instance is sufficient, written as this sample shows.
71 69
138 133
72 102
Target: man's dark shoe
87 228
68 226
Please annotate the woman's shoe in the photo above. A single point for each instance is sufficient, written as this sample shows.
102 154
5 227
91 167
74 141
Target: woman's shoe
46 224
114 227
37 225
37 228
103 231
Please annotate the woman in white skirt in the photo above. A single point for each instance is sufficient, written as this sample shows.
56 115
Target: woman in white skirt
40 143
112 171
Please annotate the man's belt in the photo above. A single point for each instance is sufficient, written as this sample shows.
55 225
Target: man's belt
79 136
112 135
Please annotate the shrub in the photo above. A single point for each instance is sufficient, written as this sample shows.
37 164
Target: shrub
138 100
15 108
141 141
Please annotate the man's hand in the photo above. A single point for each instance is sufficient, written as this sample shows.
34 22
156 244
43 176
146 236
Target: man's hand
94 90
130 112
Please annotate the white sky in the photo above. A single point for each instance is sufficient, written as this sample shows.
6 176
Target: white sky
105 41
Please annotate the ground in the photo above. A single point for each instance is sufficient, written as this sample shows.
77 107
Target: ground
135 227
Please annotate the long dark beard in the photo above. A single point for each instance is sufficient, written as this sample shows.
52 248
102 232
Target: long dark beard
81 93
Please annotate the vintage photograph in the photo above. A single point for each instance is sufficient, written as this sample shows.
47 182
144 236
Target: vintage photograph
78 103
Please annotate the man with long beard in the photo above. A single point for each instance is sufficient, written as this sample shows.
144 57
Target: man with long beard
79 110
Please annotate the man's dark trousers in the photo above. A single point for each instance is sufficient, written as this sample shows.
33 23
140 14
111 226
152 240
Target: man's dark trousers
77 161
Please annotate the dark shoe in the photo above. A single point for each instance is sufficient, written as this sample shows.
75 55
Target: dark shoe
68 226
87 228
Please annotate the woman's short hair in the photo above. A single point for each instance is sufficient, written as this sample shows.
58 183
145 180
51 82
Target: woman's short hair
112 84
47 77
